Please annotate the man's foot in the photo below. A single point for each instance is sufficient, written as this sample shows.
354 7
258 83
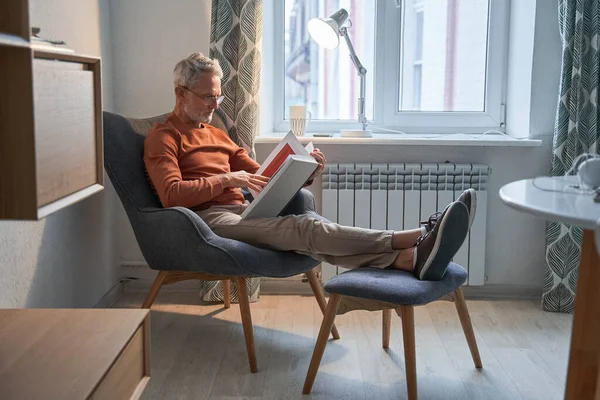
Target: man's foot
468 198
436 248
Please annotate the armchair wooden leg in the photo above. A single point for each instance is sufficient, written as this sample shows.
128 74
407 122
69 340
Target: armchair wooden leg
465 321
315 285
326 325
226 293
246 321
408 332
387 324
158 282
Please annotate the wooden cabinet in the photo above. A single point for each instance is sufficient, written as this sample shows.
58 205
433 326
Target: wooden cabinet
50 123
74 353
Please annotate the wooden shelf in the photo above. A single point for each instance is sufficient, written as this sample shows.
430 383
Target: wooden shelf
14 18
51 153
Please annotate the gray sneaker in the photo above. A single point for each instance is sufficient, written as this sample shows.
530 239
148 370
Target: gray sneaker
436 248
468 198
431 221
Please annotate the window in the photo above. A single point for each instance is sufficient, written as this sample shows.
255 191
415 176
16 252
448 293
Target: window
417 67
326 80
443 53
432 65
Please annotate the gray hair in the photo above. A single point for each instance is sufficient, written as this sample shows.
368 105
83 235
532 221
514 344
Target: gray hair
187 71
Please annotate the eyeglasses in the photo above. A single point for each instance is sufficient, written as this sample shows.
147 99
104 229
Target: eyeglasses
206 99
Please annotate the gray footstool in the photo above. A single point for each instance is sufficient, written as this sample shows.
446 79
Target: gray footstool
374 289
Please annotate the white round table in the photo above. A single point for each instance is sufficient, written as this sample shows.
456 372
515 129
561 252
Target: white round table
555 199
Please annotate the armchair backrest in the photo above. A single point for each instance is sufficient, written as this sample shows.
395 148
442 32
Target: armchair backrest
123 158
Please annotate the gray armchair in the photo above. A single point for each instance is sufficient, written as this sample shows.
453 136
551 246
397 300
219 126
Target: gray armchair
176 241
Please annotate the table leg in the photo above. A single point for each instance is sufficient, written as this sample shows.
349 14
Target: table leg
583 376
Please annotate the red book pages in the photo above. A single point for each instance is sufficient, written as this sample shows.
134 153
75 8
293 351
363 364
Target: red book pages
283 154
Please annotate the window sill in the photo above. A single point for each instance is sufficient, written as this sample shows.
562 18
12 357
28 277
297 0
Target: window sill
470 140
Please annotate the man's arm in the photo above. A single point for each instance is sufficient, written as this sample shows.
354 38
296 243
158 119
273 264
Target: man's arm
241 161
160 158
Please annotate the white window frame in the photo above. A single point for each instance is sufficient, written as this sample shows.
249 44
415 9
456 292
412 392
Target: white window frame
385 105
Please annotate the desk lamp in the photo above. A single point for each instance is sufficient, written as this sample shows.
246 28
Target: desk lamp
326 32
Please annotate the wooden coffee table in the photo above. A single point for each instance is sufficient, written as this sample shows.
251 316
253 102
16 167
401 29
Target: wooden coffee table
547 199
74 353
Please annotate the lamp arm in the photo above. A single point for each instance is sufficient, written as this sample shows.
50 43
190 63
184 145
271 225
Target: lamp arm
357 64
362 72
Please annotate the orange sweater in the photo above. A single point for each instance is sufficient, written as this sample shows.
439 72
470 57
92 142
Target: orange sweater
186 163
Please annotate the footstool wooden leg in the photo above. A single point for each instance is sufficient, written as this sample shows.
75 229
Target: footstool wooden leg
387 324
408 333
319 293
465 321
326 325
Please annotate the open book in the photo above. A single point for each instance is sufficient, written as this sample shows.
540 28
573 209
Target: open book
289 166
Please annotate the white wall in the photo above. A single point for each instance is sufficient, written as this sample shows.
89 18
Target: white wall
520 63
149 37
546 66
69 258
534 68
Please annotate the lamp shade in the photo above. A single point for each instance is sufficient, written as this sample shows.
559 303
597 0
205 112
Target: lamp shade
325 31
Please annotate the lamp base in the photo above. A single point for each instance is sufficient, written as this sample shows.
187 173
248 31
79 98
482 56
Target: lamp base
356 133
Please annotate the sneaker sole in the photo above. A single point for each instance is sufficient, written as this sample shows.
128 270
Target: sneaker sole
473 208
453 231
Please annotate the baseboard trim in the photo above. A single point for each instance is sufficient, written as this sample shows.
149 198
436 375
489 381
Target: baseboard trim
484 292
111 297
138 277
499 292
270 286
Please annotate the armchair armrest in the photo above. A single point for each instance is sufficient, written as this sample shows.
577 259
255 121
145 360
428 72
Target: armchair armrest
177 239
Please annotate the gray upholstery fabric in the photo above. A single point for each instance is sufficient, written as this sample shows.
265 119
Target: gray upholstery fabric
395 286
176 239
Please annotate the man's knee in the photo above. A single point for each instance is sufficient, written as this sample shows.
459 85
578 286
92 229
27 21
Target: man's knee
303 221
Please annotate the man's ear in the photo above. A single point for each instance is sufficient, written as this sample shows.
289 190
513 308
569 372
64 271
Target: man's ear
179 92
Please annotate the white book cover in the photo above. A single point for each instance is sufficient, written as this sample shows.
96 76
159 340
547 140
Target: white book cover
282 187
288 166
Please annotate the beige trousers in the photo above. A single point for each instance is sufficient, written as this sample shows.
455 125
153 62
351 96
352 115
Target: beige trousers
335 244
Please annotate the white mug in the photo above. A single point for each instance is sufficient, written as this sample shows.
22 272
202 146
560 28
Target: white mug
589 174
298 120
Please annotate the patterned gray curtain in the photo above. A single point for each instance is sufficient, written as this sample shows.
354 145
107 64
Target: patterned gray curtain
576 131
235 40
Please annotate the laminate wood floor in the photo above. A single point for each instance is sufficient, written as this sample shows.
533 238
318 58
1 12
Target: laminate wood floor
198 351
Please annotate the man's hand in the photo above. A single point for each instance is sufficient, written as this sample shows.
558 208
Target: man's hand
240 179
318 155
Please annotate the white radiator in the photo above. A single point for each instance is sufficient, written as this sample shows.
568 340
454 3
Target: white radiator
398 196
